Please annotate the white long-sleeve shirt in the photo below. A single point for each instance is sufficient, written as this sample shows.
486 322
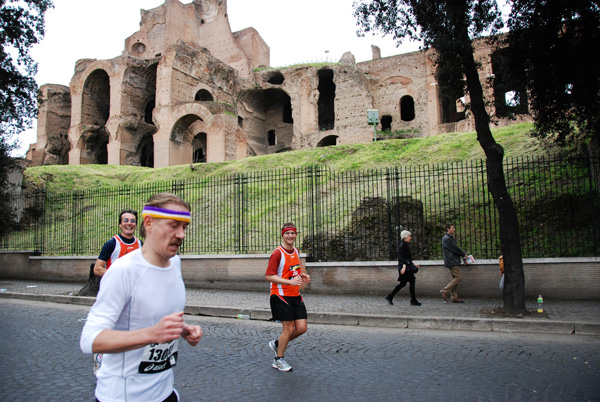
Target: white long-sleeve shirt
135 294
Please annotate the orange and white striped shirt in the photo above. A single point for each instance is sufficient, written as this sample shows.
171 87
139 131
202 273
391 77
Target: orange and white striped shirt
286 265
122 248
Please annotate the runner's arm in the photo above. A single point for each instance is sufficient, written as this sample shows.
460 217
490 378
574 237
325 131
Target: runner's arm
167 329
100 267
295 281
107 250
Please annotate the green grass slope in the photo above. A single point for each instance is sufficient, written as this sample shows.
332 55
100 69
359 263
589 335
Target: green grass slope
453 147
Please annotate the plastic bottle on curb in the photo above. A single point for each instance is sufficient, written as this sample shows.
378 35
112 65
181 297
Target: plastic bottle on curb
540 307
243 317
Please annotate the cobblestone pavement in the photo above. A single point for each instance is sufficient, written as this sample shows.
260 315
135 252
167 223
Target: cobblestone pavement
554 310
41 361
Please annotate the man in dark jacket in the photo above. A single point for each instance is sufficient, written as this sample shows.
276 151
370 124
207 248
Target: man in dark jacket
452 258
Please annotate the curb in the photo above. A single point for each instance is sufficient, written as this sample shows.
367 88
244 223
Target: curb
377 321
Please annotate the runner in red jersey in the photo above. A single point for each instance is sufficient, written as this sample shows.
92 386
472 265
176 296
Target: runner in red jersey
119 245
287 274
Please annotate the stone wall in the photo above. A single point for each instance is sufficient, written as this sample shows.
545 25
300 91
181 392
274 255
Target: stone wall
555 278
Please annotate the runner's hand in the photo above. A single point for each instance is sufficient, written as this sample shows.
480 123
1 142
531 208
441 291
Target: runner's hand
192 334
169 327
296 281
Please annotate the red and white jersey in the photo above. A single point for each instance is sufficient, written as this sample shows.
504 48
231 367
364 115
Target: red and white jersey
122 248
284 264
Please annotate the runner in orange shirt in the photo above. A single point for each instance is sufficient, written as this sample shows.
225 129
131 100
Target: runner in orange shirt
120 244
287 273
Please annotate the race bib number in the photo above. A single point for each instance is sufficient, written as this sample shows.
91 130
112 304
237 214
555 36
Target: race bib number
158 357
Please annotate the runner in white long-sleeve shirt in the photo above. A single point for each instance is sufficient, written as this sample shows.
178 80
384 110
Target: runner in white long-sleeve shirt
138 315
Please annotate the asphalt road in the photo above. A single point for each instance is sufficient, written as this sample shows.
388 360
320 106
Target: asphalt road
40 360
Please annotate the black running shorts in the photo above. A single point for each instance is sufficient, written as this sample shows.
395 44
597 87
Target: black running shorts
288 308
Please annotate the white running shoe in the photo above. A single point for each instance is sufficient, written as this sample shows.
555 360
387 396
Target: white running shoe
281 365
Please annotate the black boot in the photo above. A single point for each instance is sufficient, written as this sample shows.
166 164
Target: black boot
389 299
415 302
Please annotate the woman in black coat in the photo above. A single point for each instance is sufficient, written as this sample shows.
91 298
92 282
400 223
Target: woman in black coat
405 265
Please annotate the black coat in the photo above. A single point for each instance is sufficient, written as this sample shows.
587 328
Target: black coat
404 257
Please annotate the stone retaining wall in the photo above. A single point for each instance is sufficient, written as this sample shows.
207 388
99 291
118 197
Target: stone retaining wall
566 279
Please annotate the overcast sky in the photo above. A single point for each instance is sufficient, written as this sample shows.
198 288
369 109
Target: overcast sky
296 31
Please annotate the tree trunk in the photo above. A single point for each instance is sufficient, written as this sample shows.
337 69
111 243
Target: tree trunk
510 240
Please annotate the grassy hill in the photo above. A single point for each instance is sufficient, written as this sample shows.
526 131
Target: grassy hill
451 147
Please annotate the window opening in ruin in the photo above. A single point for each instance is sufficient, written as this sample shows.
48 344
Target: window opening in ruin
276 78
199 146
512 98
146 151
287 112
204 95
386 123
510 93
138 48
328 141
241 121
96 99
326 102
407 108
268 109
272 137
101 154
450 113
569 89
148 112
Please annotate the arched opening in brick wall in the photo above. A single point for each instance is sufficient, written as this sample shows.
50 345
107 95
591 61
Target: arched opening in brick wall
146 150
199 146
263 112
181 126
204 95
95 110
407 108
326 102
275 78
95 103
386 123
328 141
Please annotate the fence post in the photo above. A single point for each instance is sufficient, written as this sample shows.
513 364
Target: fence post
389 177
313 174
41 202
594 199
240 180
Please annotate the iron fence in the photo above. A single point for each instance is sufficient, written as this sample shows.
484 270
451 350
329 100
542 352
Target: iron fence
341 216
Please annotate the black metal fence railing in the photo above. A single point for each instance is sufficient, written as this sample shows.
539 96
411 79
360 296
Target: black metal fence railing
341 216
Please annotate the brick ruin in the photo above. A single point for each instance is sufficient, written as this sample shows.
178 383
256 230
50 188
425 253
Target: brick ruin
186 90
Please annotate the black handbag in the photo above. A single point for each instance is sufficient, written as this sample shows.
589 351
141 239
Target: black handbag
413 268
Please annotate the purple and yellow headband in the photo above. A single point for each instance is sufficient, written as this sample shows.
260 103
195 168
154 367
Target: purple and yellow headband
163 213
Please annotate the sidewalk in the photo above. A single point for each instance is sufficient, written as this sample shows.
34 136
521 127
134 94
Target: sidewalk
561 317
